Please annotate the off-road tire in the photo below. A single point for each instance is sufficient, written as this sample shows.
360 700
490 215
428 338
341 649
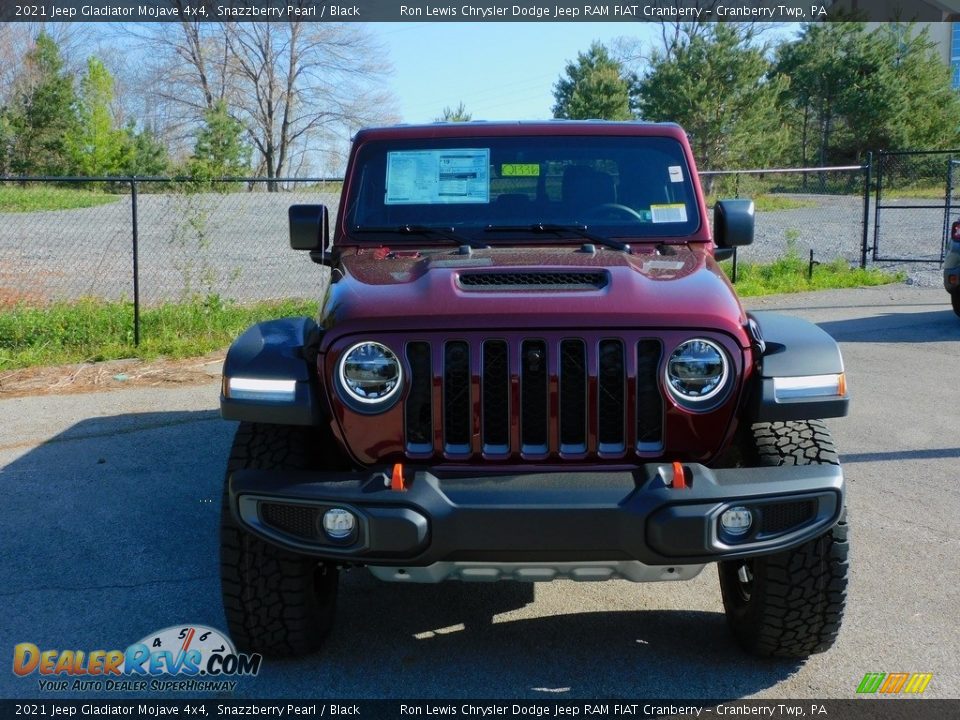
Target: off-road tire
276 602
793 605
955 301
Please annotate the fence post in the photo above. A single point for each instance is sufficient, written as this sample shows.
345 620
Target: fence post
733 268
867 172
136 263
876 205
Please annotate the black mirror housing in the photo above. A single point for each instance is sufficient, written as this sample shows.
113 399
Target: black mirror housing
309 227
733 223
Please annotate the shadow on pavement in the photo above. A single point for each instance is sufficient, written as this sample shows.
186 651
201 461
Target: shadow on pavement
934 326
109 532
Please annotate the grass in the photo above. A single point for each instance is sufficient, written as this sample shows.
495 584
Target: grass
48 197
768 203
92 330
789 275
915 193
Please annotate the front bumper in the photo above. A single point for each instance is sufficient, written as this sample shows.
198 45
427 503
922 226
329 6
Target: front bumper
553 518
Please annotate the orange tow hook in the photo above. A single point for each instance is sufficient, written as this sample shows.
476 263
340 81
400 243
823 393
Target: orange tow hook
396 481
679 477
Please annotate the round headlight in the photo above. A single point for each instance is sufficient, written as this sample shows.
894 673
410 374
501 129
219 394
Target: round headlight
697 371
370 373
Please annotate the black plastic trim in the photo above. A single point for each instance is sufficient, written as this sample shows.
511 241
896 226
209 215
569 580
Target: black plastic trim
283 349
794 347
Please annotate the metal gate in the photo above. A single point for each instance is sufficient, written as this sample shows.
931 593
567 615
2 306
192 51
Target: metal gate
911 212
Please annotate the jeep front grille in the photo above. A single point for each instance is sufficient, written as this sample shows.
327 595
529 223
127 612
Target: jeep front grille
539 398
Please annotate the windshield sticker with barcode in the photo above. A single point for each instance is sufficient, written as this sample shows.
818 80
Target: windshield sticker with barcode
668 213
676 173
434 177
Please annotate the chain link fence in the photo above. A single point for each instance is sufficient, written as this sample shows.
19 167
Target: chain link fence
63 239
158 241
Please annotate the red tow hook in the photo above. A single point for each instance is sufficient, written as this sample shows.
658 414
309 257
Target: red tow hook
679 477
396 480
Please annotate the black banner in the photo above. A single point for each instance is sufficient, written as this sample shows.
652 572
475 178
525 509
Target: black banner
457 11
859 709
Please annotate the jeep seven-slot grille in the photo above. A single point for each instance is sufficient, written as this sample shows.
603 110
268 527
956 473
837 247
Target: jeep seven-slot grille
536 397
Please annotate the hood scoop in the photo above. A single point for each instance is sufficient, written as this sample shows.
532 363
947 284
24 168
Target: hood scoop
546 280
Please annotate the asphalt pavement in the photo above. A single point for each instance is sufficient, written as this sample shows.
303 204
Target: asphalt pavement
108 530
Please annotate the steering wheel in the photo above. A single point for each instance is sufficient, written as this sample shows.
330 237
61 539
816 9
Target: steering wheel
608 209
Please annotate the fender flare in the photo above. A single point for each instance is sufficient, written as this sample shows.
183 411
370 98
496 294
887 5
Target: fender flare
269 374
800 371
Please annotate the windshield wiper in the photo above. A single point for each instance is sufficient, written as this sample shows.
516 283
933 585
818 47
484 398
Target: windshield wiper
445 233
555 228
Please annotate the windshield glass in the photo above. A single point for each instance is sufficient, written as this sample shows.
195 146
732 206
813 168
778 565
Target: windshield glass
633 187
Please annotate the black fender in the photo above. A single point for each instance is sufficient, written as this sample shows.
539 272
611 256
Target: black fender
791 347
284 353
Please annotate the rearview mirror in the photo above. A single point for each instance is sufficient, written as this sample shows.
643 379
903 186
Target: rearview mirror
310 230
733 223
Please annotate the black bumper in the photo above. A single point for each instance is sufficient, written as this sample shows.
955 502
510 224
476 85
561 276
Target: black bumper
555 517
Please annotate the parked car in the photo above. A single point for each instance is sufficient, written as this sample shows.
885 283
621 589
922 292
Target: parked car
529 365
951 267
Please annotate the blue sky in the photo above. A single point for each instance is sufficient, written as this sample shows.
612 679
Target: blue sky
500 71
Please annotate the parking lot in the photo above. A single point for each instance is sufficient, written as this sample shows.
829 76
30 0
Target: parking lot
109 530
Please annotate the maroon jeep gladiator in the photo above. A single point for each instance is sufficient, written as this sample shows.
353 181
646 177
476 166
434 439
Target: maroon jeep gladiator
529 366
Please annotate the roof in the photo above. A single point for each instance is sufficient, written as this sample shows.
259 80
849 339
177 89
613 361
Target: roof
484 128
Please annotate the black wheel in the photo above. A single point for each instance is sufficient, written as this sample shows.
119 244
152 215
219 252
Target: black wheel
789 604
955 301
276 602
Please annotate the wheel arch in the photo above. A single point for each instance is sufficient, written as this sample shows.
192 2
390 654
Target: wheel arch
269 374
800 371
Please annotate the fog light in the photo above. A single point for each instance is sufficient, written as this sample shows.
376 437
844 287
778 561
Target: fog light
338 523
736 521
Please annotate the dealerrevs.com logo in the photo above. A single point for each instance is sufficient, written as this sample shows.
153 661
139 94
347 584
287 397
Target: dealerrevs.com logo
187 658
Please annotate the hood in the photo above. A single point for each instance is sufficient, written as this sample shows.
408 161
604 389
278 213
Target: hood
670 286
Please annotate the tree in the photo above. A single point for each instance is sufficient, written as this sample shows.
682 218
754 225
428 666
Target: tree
595 86
98 146
716 86
458 114
296 87
143 154
42 118
220 150
852 90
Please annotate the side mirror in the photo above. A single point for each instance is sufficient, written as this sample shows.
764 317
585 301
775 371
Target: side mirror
733 223
310 230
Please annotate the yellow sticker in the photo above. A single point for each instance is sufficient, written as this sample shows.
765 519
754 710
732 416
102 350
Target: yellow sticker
520 170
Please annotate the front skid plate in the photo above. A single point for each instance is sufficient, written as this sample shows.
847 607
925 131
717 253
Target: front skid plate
536 572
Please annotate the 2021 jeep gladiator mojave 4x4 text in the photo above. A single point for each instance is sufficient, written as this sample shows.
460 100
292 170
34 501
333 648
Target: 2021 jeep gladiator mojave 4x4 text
529 366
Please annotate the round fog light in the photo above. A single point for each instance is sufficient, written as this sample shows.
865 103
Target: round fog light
736 521
338 523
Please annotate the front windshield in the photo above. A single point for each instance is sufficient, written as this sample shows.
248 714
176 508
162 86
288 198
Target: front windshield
631 187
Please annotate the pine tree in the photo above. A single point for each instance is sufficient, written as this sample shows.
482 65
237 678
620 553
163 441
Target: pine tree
595 86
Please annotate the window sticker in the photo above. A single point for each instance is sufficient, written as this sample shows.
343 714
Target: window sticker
520 170
676 173
434 177
668 213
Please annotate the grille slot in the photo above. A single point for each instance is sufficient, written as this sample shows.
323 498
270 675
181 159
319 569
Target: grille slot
419 413
496 397
779 517
611 393
479 281
649 400
291 519
456 397
533 391
573 396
